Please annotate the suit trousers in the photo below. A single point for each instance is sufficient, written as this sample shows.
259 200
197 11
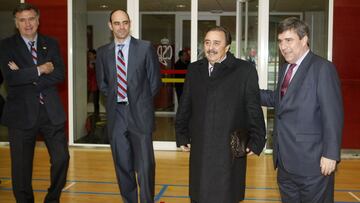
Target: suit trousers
305 189
133 154
22 145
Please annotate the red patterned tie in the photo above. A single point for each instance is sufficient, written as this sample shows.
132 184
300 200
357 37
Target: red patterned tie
121 75
34 57
33 51
287 78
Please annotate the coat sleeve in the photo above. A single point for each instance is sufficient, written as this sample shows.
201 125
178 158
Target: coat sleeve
57 76
100 72
22 76
331 107
183 114
153 70
267 98
255 117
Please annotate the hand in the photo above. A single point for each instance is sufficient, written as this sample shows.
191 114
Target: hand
12 65
249 152
46 68
185 148
327 166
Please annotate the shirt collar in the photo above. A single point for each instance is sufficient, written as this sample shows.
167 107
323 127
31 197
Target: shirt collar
298 62
125 43
27 40
223 59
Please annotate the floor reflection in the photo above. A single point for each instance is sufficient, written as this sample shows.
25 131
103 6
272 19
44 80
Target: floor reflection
97 132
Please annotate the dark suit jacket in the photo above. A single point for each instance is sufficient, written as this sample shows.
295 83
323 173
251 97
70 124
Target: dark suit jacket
143 77
210 109
309 118
24 85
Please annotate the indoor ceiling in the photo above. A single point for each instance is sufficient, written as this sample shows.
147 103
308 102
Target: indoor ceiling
204 5
211 5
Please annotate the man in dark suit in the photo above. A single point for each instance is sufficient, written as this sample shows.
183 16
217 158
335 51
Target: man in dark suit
308 119
128 74
221 95
32 67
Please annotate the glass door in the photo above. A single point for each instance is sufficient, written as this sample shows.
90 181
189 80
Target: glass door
165 118
205 22
315 14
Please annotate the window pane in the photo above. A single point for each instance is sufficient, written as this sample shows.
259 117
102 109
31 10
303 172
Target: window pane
158 25
315 13
90 25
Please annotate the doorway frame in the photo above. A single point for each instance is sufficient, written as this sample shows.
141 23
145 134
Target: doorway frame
133 8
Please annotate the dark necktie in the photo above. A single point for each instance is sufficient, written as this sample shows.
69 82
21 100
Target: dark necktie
287 78
211 70
34 57
121 75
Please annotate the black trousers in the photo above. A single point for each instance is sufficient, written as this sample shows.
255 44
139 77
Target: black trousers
22 145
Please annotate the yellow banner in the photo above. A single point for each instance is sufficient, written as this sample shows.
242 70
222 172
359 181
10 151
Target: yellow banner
172 80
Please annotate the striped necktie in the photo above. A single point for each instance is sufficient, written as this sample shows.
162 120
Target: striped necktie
33 51
121 75
34 57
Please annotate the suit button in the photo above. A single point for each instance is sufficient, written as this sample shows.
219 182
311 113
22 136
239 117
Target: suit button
34 83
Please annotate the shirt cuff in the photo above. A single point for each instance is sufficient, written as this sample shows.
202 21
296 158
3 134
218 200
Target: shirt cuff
37 68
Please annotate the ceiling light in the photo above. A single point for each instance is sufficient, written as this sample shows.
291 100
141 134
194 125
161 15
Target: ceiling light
103 6
180 6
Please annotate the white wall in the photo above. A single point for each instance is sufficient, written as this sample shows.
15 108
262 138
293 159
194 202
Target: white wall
318 32
79 68
101 32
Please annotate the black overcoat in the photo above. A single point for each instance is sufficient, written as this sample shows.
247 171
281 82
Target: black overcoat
209 110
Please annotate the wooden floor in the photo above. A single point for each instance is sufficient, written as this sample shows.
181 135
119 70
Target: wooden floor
91 178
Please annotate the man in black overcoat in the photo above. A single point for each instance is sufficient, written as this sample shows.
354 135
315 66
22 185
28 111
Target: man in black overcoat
220 95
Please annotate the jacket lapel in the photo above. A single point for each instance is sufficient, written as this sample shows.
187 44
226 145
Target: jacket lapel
297 80
281 79
24 49
221 69
204 69
111 60
131 58
41 50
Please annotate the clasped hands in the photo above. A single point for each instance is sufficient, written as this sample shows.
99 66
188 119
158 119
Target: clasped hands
45 68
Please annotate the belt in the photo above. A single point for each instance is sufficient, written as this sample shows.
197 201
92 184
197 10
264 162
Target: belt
123 103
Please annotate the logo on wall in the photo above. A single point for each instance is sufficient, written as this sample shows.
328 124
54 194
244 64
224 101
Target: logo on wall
165 52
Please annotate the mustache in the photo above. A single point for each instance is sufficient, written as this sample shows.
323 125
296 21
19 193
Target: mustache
211 51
